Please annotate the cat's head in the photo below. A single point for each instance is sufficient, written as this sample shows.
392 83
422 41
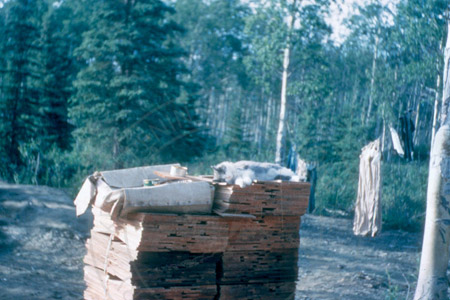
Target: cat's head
224 172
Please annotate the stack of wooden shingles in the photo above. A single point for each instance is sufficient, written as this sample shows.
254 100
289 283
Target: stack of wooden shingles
248 251
260 261
154 256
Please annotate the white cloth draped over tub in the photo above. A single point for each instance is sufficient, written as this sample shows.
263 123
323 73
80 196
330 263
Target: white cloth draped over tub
119 192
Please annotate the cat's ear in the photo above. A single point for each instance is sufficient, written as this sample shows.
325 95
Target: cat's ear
219 169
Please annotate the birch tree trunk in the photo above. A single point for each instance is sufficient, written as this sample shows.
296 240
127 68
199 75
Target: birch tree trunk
446 84
435 111
432 283
436 99
416 122
281 124
372 79
269 119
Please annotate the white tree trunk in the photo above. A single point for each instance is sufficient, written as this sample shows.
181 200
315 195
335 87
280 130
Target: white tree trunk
416 122
446 84
436 99
281 124
383 136
435 112
372 79
432 283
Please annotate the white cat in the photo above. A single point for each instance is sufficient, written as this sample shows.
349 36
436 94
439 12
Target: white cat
243 173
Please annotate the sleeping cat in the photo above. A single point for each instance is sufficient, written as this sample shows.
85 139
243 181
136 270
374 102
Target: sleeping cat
243 173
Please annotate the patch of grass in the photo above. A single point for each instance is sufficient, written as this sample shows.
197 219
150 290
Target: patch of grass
404 195
336 188
392 292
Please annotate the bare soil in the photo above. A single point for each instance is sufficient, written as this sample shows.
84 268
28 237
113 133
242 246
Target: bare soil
335 264
41 244
42 247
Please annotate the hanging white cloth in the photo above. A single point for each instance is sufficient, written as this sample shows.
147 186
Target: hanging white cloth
396 142
368 207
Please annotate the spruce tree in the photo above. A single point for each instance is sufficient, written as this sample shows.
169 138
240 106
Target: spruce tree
20 120
128 102
58 71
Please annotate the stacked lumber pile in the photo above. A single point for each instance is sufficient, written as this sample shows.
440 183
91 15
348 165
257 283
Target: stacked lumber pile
270 198
152 256
260 261
247 249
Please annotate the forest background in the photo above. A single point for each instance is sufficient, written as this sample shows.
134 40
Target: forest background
95 85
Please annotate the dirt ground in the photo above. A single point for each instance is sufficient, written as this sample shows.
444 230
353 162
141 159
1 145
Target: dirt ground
42 246
335 264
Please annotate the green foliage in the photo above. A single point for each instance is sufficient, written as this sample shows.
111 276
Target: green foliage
337 185
234 142
20 119
404 194
59 69
128 98
216 44
86 86
37 69
392 292
214 40
267 32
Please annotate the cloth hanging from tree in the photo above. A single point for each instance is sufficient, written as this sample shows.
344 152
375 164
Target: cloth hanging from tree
407 128
396 142
368 202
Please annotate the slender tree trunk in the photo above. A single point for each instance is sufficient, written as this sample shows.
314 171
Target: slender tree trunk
416 122
383 136
222 121
209 112
118 164
268 118
281 125
259 139
263 118
432 282
435 111
436 98
372 79
446 84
